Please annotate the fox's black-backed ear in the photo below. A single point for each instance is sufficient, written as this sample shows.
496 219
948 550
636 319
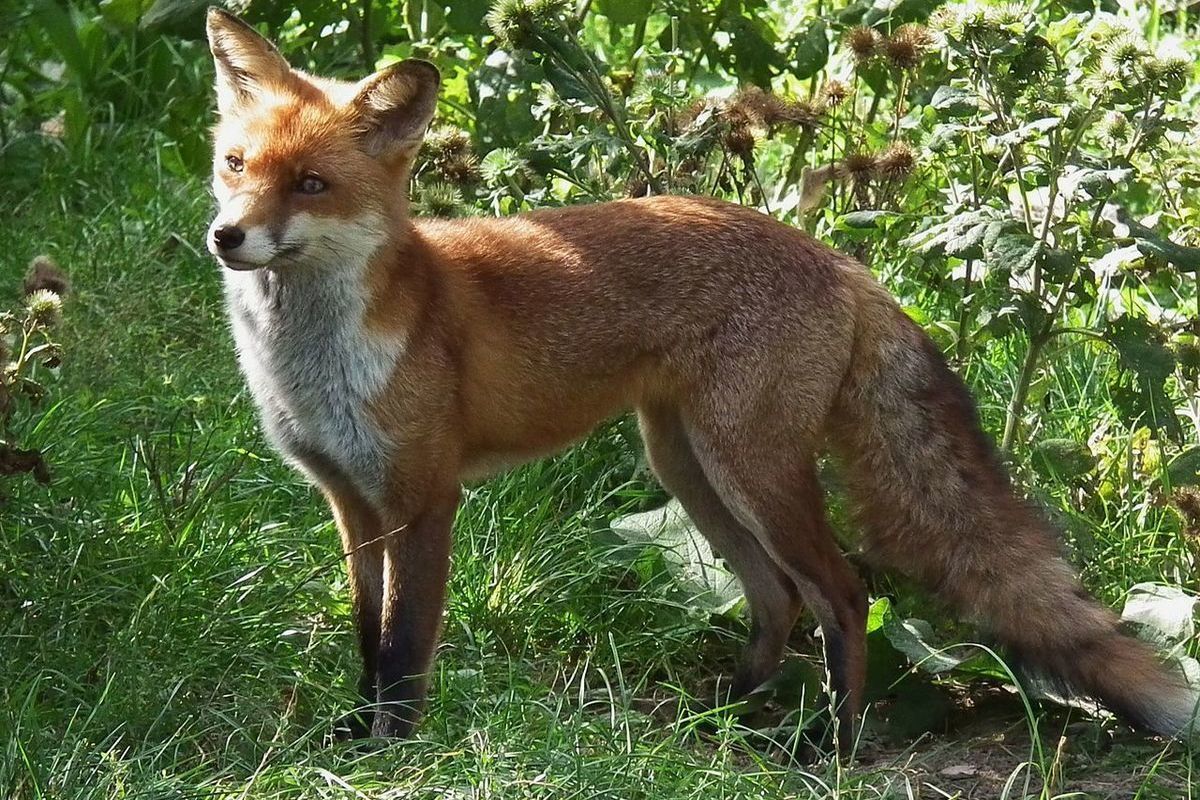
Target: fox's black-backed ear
245 61
397 104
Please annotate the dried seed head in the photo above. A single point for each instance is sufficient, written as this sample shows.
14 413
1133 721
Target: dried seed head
800 114
462 170
45 273
834 93
636 186
765 110
1188 356
860 166
863 43
907 46
740 141
44 307
897 161
446 141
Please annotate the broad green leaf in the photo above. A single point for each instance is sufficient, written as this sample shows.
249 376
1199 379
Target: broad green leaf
915 639
123 13
1163 614
566 83
1184 469
60 29
625 12
951 101
687 554
173 13
1152 243
810 50
1064 458
960 236
753 48
1141 351
1029 131
864 220
1015 252
467 16
1151 363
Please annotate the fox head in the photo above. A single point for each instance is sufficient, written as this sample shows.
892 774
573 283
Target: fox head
308 170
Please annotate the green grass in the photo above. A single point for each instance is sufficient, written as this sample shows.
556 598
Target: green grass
174 615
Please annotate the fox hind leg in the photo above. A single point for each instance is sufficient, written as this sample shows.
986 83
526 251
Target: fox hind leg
773 598
768 479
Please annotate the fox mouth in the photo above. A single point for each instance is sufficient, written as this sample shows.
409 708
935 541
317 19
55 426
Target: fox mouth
280 257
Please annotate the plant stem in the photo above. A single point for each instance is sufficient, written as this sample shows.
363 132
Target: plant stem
1016 407
365 42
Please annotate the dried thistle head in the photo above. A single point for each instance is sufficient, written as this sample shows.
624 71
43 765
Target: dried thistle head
445 141
863 42
449 152
1187 355
798 113
897 161
740 141
905 49
766 110
1187 503
44 307
860 166
45 273
834 93
1033 60
752 106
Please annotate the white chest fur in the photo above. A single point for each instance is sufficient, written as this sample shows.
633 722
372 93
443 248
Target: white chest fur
312 367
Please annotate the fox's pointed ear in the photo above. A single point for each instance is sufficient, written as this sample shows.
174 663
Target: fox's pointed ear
245 61
396 105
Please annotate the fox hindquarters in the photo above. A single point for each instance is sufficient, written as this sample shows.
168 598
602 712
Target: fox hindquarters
392 359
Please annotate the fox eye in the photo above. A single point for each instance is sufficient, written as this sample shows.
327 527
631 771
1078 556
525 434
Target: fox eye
311 184
234 163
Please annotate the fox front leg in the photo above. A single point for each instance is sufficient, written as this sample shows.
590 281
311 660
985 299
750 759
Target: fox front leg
416 566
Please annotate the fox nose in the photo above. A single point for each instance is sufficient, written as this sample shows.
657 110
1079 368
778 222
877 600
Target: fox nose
229 237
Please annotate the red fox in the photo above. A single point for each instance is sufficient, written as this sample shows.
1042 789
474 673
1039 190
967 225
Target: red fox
392 359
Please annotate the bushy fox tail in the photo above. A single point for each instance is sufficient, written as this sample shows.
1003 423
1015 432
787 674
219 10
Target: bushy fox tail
938 506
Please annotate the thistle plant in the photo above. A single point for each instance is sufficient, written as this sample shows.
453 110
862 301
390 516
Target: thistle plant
1045 134
29 353
542 27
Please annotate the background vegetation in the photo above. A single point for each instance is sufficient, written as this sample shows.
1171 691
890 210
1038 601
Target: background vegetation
173 610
